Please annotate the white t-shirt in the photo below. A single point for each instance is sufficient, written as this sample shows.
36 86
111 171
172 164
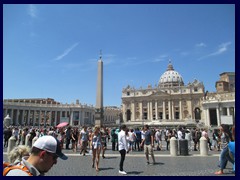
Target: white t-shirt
179 133
122 141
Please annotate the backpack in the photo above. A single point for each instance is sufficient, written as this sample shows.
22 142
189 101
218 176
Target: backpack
199 135
8 167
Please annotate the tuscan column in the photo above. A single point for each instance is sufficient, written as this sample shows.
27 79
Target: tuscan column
218 117
151 112
12 116
173 110
17 118
55 114
79 122
208 118
191 109
50 117
169 110
141 110
34 117
124 112
39 118
133 111
156 110
148 110
71 117
28 117
164 110
22 118
180 109
228 111
45 113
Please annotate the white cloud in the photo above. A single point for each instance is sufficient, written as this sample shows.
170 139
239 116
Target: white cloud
201 45
161 58
32 10
221 49
109 59
66 52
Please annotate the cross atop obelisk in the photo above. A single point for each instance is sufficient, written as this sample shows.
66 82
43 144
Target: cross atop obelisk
99 100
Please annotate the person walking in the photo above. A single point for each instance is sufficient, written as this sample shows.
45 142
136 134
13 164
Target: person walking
68 136
74 135
157 139
148 143
96 147
83 138
123 147
104 136
226 137
113 139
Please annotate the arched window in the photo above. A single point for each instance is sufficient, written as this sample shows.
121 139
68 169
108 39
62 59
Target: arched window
197 114
128 115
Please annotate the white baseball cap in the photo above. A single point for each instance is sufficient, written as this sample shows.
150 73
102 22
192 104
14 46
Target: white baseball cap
50 144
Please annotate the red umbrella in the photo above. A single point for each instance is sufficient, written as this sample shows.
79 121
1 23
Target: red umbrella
62 124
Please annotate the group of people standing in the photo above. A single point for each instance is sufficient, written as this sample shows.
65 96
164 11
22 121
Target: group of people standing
125 140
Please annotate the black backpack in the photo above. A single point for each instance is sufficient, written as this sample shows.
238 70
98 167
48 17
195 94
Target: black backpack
199 135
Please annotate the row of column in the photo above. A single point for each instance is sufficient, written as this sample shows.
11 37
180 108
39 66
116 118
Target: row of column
20 116
219 114
150 111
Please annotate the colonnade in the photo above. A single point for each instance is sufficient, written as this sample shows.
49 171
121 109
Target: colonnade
164 109
47 116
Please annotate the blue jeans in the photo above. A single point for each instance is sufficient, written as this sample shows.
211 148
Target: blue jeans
224 158
231 146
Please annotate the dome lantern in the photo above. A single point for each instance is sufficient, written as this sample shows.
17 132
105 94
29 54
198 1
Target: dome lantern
170 77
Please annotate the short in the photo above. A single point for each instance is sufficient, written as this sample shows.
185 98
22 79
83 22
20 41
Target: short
96 145
148 149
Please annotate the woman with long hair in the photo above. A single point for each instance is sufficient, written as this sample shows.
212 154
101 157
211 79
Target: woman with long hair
96 147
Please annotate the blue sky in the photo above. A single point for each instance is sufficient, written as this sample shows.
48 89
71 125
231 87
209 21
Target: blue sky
51 51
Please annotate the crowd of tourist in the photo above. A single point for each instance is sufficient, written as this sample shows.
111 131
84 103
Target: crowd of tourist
94 140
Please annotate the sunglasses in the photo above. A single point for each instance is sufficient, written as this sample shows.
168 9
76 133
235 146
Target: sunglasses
54 156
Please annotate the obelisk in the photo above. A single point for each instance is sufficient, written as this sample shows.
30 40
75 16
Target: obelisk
99 100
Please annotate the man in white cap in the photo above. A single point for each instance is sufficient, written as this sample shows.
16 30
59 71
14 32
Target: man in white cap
43 156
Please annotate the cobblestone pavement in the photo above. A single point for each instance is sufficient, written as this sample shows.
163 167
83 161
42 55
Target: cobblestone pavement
135 164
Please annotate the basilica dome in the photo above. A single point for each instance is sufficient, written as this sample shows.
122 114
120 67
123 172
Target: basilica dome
170 77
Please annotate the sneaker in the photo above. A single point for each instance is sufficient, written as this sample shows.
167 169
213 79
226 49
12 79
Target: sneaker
122 172
147 163
153 163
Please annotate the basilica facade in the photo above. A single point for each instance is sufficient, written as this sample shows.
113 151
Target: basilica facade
170 103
